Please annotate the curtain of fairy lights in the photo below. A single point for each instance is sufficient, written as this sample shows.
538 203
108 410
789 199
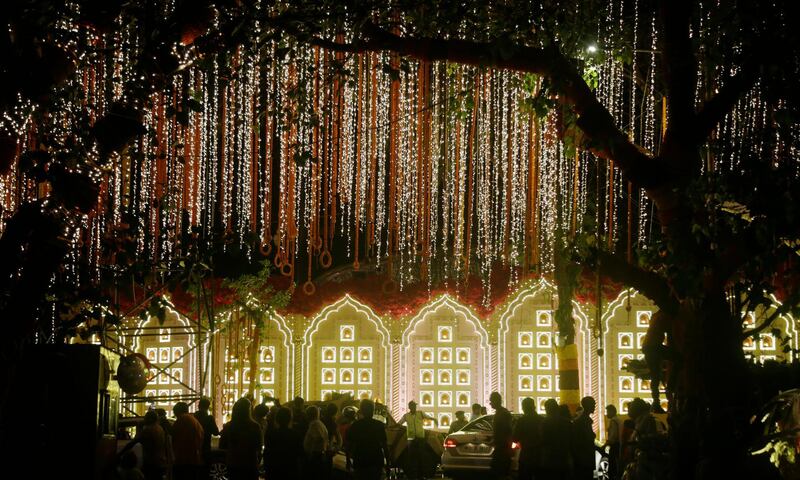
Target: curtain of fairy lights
434 172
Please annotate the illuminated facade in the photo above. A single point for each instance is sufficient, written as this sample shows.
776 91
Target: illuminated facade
170 349
274 359
444 356
528 350
766 345
345 351
527 338
625 323
446 360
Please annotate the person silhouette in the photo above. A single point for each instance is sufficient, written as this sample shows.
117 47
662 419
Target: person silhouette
556 456
528 432
459 423
656 353
613 440
187 444
241 438
283 448
365 443
154 447
476 411
315 445
501 430
209 424
583 449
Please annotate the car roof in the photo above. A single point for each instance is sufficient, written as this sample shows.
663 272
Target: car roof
485 421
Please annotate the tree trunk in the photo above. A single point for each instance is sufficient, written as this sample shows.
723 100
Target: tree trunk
255 346
711 391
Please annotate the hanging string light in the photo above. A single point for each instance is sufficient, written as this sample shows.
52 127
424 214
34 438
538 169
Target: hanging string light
428 170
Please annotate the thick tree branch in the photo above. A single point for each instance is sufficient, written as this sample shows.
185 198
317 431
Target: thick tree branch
650 284
604 138
679 66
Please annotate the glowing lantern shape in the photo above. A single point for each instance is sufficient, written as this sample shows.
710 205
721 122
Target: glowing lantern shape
544 362
543 320
445 334
544 383
627 386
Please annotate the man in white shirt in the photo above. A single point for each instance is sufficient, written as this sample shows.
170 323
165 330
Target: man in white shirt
415 434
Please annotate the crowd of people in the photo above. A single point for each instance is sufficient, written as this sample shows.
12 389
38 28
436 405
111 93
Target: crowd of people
179 449
282 442
299 441
559 445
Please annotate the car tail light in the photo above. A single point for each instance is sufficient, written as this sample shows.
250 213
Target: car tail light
450 443
515 445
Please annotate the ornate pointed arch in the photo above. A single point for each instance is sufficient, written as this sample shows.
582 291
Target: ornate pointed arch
446 359
358 370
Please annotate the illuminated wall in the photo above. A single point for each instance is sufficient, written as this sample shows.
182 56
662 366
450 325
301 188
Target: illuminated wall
528 355
766 345
275 355
170 346
527 347
445 360
443 356
625 323
345 351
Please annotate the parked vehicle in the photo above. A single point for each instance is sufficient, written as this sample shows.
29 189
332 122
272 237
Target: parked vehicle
396 440
469 451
